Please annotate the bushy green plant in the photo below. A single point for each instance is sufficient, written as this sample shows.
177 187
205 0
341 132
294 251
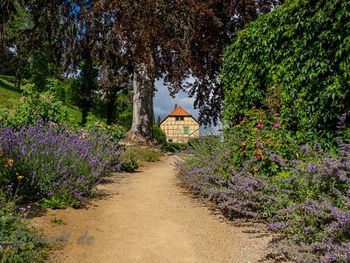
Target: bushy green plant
19 243
306 200
146 154
57 88
130 161
53 203
295 61
158 135
133 157
33 106
151 156
173 147
116 132
258 139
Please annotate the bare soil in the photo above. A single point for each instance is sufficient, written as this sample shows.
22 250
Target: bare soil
147 217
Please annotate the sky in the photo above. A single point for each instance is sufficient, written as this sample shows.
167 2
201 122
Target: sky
163 104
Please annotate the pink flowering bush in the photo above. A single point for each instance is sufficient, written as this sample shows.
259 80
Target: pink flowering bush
259 142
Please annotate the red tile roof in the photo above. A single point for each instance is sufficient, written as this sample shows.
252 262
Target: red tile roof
179 111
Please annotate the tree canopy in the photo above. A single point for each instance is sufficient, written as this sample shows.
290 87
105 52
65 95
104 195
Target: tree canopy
184 38
133 42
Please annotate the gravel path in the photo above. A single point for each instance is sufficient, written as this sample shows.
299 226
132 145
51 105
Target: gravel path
146 217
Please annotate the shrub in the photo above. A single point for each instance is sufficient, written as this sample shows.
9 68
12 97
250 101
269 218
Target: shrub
133 157
116 132
51 161
146 154
173 147
33 105
260 143
158 135
307 202
18 242
294 60
130 161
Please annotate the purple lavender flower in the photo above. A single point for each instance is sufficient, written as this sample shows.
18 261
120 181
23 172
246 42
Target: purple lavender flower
305 149
57 161
343 118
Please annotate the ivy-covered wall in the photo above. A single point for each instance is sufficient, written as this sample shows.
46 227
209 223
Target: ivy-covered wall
294 61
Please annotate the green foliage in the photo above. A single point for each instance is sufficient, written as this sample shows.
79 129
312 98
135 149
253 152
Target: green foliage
52 203
114 131
59 202
55 86
6 82
58 221
295 61
21 21
124 109
133 157
19 243
33 105
9 94
86 85
40 70
173 147
258 138
158 135
130 161
146 154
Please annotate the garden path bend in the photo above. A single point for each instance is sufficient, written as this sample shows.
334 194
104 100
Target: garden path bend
148 218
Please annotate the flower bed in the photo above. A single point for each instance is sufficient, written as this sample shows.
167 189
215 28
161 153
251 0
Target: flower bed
306 201
53 162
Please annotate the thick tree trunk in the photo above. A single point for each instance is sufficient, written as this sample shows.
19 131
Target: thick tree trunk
143 92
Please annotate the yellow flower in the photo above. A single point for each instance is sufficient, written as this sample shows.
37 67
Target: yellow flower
20 178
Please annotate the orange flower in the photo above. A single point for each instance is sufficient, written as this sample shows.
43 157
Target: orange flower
9 163
259 155
254 170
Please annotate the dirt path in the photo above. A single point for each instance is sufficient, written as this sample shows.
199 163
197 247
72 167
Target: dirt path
148 218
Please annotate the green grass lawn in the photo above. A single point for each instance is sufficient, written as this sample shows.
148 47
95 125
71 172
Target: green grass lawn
74 114
8 92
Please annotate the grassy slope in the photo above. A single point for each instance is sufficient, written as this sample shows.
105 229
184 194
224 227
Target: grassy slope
8 92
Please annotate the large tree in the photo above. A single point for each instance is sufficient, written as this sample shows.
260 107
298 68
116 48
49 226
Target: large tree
175 40
36 33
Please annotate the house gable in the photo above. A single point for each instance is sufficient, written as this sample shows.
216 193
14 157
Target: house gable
180 128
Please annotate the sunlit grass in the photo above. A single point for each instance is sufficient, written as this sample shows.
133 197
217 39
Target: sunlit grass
9 92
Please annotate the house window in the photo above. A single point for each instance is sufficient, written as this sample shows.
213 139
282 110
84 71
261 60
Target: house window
186 130
179 118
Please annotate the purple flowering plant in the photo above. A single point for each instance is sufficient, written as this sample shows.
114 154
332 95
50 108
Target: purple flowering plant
53 161
305 200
